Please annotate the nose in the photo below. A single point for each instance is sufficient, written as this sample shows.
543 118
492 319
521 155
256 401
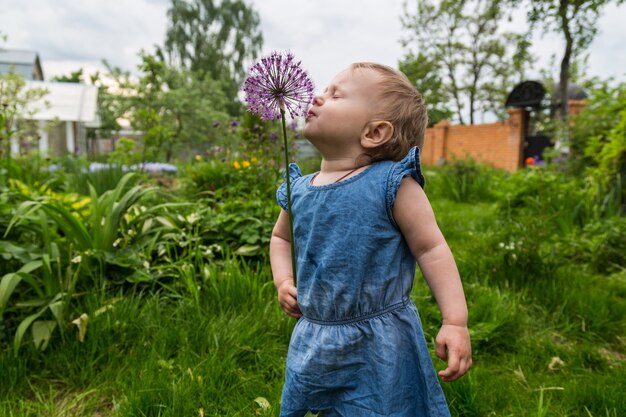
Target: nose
318 100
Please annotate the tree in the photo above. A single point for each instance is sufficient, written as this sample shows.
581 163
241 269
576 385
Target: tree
213 38
462 40
424 74
173 109
17 103
577 21
111 104
76 77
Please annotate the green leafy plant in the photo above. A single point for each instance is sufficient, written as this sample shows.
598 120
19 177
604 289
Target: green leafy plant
75 244
464 181
49 285
125 153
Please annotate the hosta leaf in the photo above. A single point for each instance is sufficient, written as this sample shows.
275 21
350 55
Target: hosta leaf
10 281
21 330
7 286
30 267
42 331
9 250
35 302
146 225
57 309
248 250
166 222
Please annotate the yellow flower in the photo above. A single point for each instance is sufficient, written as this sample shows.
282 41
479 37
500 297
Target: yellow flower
77 205
198 158
245 164
253 159
236 165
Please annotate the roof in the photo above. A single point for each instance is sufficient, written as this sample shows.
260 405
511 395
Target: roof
16 56
22 61
65 102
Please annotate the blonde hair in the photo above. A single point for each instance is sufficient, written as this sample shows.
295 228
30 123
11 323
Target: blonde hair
402 105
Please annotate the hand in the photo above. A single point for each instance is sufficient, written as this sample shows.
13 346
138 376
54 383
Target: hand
288 299
453 346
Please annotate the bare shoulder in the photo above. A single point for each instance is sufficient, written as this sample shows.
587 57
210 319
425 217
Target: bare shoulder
410 200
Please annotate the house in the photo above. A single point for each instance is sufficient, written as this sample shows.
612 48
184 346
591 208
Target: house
25 63
62 116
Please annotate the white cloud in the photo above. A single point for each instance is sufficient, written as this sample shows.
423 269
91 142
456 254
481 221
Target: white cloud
327 35
84 31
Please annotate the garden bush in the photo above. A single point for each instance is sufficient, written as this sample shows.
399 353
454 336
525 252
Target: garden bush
178 311
463 181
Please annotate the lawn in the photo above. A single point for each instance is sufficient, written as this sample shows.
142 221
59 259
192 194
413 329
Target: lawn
179 308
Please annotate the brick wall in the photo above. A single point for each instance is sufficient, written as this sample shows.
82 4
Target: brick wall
498 144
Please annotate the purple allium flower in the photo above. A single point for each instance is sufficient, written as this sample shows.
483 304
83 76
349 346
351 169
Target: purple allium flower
278 82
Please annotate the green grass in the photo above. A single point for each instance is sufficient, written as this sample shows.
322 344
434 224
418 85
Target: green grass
544 345
549 338
152 355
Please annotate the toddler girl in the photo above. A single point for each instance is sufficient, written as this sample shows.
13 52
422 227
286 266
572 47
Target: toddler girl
360 225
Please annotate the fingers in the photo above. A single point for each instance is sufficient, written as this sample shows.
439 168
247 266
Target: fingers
452 371
457 367
292 309
288 300
458 364
453 345
440 349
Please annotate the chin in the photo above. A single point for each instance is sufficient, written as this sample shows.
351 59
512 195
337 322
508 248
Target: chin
312 139
306 132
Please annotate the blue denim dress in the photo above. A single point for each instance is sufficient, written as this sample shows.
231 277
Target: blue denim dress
359 349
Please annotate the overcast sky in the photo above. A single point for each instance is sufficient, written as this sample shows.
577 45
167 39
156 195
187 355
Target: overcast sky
327 35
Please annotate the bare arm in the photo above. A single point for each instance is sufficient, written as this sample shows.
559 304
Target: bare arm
414 215
280 260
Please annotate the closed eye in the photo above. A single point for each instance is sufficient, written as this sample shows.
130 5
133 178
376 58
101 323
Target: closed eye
333 91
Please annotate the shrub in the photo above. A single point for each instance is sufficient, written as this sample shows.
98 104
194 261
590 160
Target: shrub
600 244
239 178
75 244
599 140
463 181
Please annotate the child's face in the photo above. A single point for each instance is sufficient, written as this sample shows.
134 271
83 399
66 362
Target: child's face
339 115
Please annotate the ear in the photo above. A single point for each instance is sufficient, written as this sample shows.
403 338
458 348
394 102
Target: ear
376 133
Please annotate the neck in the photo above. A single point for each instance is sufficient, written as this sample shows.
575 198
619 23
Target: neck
338 165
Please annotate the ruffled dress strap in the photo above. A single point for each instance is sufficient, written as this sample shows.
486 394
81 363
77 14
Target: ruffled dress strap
407 166
281 193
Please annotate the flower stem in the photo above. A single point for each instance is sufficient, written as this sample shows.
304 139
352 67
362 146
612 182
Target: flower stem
289 210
